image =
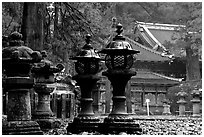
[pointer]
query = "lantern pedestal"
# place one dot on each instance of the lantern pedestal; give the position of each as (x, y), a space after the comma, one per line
(118, 120)
(19, 109)
(43, 73)
(196, 102)
(43, 114)
(166, 109)
(196, 107)
(182, 107)
(86, 121)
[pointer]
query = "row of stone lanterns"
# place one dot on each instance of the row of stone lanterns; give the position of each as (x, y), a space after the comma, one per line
(196, 94)
(118, 60)
(18, 62)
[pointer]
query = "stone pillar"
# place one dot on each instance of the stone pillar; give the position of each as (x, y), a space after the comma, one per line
(119, 120)
(196, 102)
(87, 84)
(43, 73)
(43, 114)
(181, 102)
(85, 121)
(119, 97)
(17, 61)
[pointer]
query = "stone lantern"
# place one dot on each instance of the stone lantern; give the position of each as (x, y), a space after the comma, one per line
(166, 106)
(119, 59)
(43, 72)
(182, 95)
(87, 66)
(196, 101)
(17, 61)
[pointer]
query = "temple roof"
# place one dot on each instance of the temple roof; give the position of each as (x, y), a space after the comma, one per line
(154, 35)
(148, 54)
(147, 77)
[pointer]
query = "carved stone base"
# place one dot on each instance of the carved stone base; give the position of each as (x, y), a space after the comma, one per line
(21, 128)
(118, 124)
(47, 124)
(83, 124)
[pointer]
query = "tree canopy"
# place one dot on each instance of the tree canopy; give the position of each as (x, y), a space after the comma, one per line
(60, 27)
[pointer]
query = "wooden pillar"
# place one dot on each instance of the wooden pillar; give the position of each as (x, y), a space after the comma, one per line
(143, 96)
(108, 96)
(156, 100)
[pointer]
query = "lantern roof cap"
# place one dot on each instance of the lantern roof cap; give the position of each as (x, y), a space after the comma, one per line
(87, 51)
(119, 44)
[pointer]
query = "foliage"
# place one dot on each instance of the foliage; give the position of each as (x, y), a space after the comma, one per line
(11, 16)
(190, 15)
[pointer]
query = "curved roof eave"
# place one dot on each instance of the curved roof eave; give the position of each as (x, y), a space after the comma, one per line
(152, 75)
(159, 56)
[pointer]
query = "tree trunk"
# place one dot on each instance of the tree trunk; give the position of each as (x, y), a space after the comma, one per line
(56, 20)
(192, 65)
(33, 25)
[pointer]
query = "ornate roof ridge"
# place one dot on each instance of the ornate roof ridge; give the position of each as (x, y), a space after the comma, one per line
(148, 49)
(159, 75)
(163, 26)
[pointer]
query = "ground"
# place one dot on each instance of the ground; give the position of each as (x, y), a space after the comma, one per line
(152, 125)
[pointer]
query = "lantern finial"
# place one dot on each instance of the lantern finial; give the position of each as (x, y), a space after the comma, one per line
(88, 46)
(119, 28)
(88, 39)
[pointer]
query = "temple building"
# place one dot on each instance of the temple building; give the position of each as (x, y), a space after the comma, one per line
(157, 70)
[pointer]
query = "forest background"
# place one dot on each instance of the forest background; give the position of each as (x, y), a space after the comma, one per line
(60, 27)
